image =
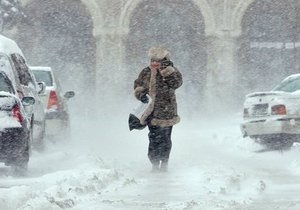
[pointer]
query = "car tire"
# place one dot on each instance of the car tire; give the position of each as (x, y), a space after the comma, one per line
(276, 142)
(20, 164)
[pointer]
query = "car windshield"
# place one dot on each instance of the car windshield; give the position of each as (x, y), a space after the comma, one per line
(289, 85)
(43, 76)
(4, 84)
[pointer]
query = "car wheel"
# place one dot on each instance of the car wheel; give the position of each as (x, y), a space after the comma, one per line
(20, 164)
(276, 142)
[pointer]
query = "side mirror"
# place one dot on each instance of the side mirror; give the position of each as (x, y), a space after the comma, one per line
(27, 101)
(69, 94)
(41, 88)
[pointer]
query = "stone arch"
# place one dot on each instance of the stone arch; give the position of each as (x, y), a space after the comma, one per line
(238, 14)
(93, 9)
(202, 5)
(95, 12)
(63, 39)
(127, 12)
(209, 20)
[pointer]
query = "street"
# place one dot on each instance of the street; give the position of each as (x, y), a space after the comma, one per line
(209, 169)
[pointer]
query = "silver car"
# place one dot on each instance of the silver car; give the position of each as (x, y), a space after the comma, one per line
(55, 102)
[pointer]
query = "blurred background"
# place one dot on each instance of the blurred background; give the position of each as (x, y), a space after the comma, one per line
(225, 49)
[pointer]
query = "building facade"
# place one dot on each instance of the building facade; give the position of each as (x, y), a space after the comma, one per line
(225, 48)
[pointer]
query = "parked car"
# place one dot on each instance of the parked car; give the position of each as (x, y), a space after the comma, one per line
(274, 116)
(15, 126)
(55, 102)
(15, 66)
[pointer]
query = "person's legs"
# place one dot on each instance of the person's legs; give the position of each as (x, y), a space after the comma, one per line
(153, 152)
(166, 145)
(160, 145)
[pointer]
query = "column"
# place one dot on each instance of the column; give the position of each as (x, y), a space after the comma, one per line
(220, 89)
(110, 73)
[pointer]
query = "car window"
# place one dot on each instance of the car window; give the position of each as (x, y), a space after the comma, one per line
(289, 85)
(5, 84)
(43, 76)
(22, 69)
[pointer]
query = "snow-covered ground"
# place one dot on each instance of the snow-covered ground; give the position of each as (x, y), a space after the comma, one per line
(104, 166)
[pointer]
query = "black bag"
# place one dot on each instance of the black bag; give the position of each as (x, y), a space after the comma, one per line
(134, 123)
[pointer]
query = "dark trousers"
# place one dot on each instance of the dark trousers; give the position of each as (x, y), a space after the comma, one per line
(160, 144)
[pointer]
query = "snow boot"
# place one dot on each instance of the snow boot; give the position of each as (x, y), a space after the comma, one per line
(164, 166)
(155, 168)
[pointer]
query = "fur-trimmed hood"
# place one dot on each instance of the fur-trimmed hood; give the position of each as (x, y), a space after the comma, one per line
(158, 53)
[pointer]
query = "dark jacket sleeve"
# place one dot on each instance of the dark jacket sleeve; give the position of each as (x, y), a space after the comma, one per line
(172, 77)
(139, 86)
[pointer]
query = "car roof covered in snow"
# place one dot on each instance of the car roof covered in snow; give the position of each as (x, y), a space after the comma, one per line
(40, 68)
(9, 46)
(292, 76)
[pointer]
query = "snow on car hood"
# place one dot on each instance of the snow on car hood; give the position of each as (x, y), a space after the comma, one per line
(266, 97)
(267, 93)
(8, 121)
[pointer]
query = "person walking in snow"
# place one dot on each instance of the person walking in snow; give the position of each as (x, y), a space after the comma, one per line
(159, 80)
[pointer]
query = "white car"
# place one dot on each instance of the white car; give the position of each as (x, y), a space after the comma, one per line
(14, 64)
(274, 115)
(15, 125)
(55, 102)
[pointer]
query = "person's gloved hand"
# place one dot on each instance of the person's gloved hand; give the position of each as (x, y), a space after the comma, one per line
(165, 63)
(144, 99)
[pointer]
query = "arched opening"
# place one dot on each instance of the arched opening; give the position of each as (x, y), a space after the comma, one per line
(60, 35)
(180, 27)
(270, 44)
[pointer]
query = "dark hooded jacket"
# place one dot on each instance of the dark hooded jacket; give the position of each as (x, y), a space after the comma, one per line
(161, 86)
